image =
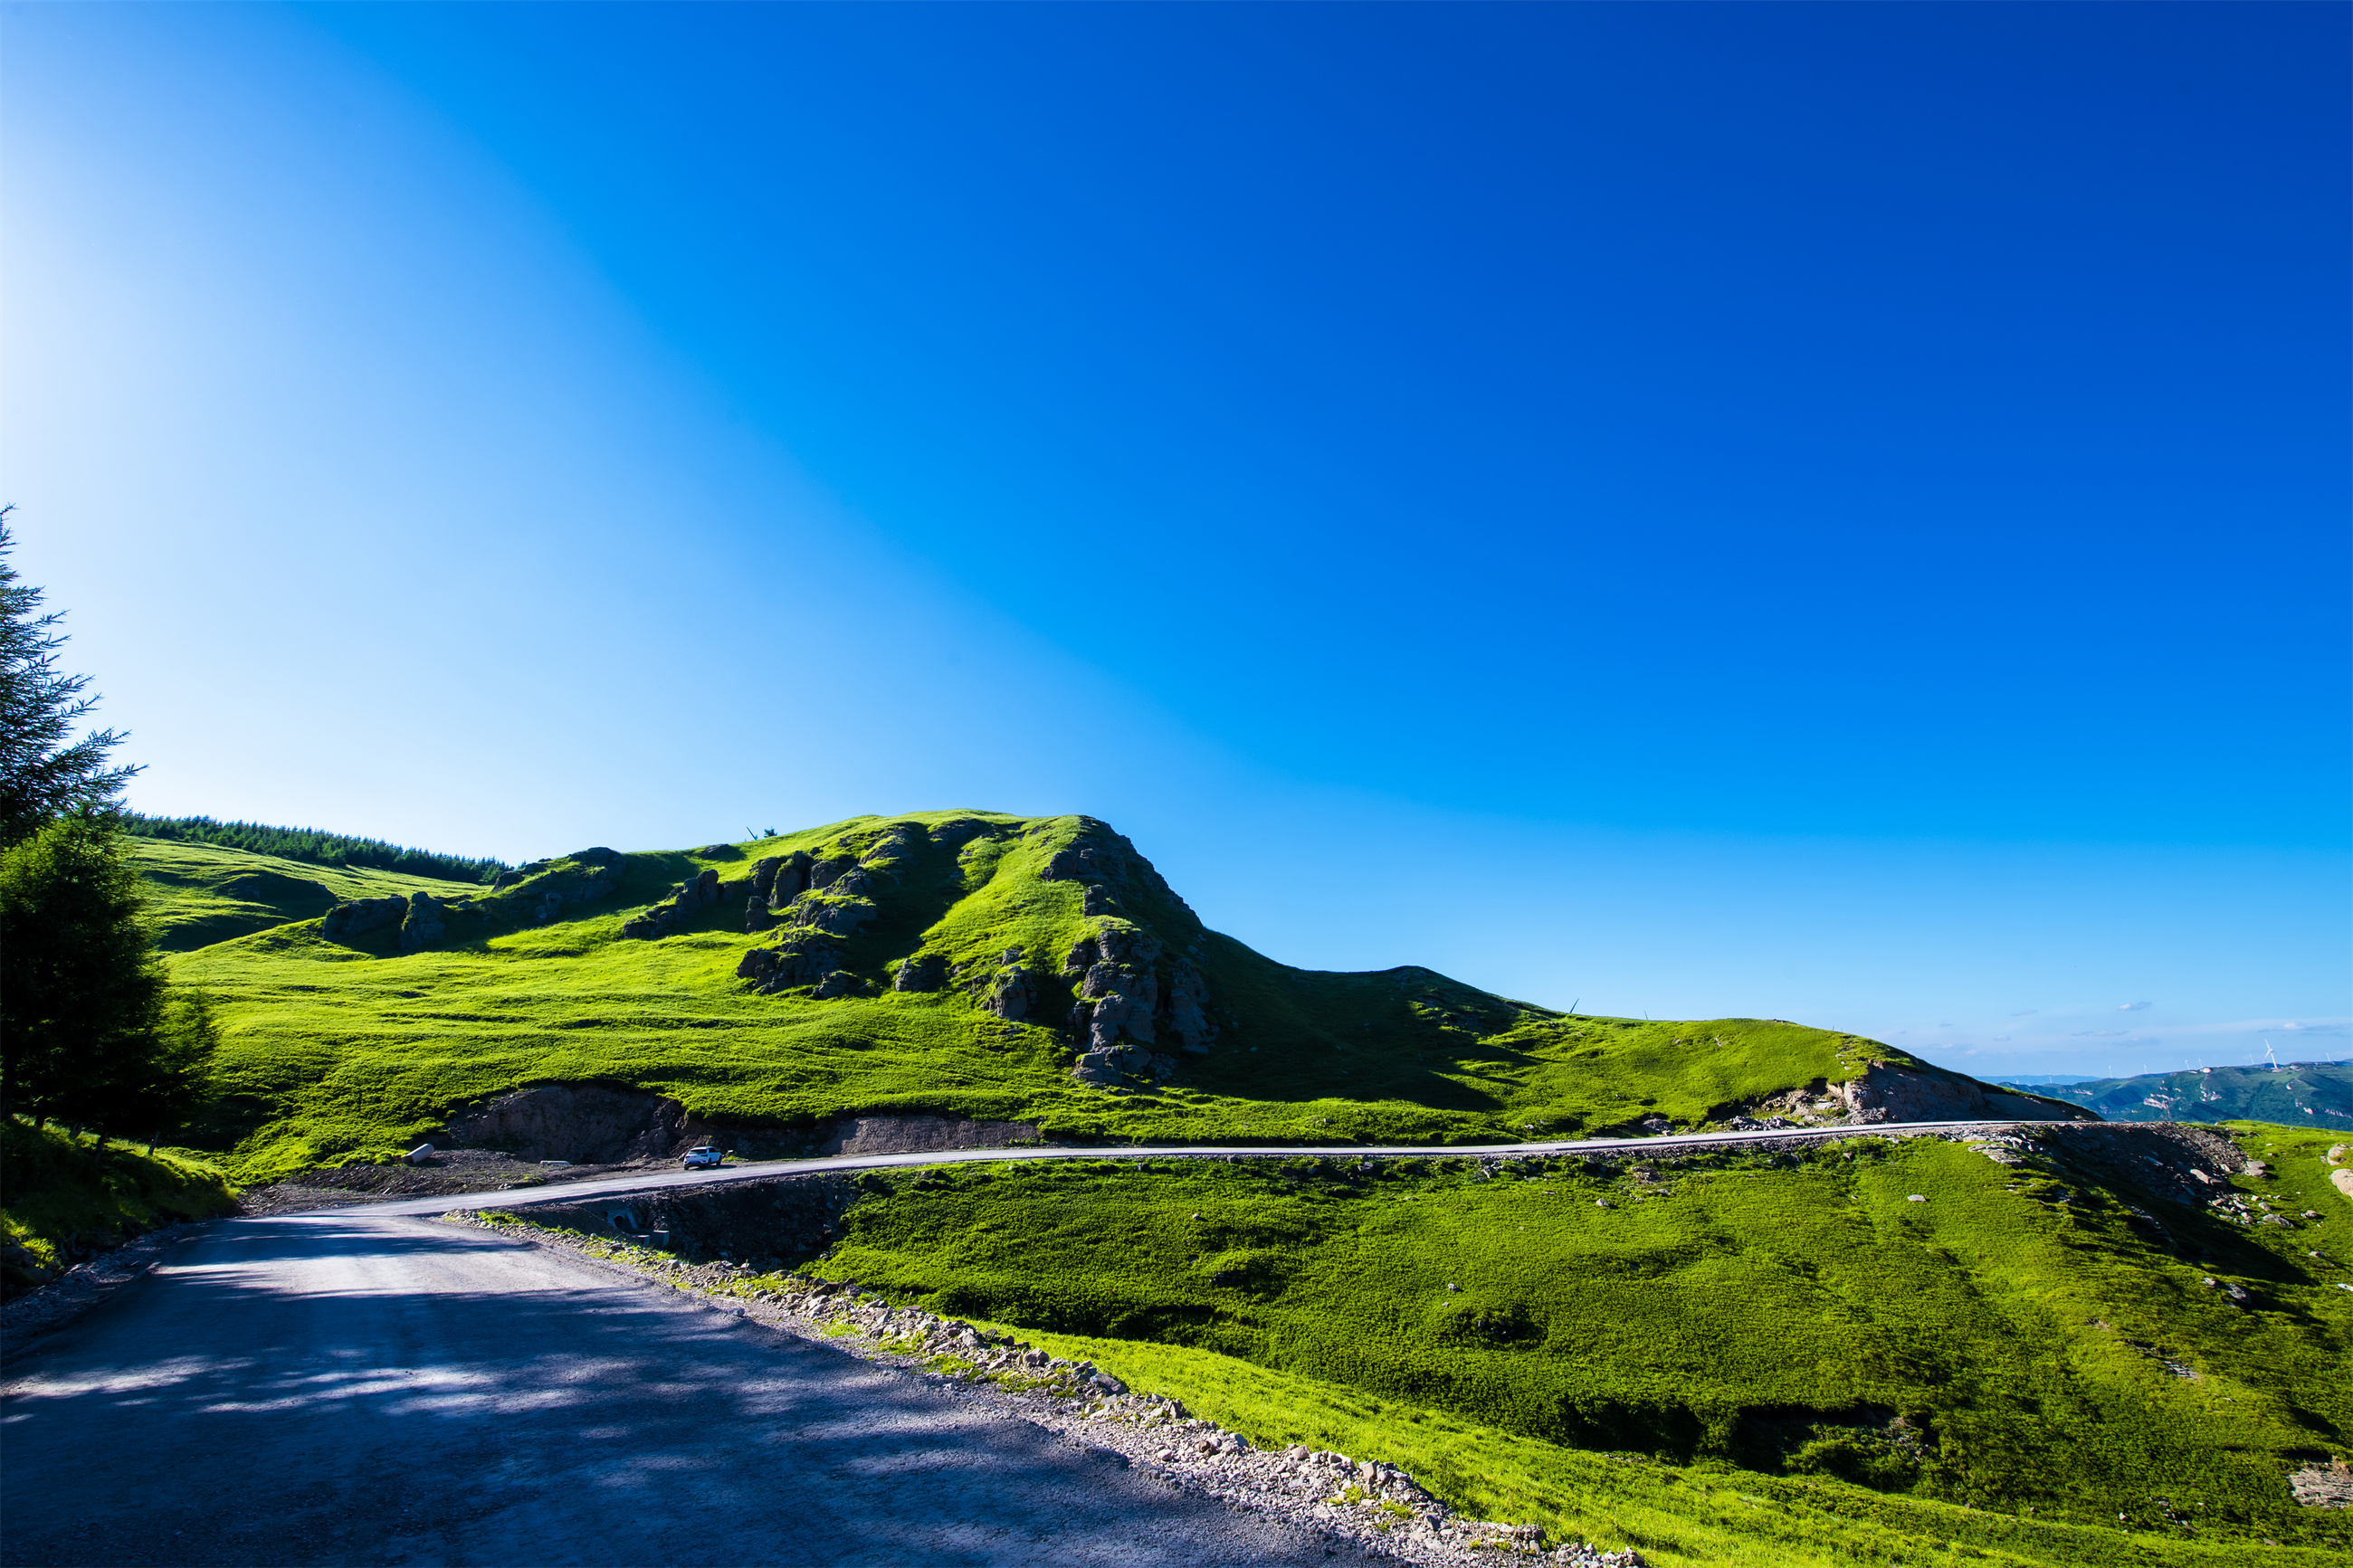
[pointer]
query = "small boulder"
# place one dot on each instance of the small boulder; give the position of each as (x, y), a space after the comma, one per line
(924, 972)
(360, 916)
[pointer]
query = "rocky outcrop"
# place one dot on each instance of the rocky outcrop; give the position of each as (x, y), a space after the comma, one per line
(1009, 989)
(685, 904)
(1114, 879)
(1121, 1064)
(1120, 994)
(423, 923)
(1118, 991)
(1918, 1092)
(924, 972)
(803, 958)
(359, 916)
(584, 1124)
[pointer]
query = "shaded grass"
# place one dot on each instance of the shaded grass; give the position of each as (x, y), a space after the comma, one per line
(1768, 1316)
(67, 1198)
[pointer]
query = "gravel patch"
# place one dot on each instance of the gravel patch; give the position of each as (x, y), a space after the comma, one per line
(82, 1287)
(1377, 1507)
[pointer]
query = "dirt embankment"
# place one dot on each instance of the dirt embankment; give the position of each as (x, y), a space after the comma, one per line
(603, 1124)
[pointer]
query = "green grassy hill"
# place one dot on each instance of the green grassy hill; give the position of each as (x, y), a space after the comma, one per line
(1909, 1337)
(963, 964)
(202, 893)
(2300, 1094)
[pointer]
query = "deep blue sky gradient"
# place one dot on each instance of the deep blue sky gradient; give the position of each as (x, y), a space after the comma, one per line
(1882, 419)
(1833, 512)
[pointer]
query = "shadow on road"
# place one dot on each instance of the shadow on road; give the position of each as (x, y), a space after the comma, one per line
(331, 1390)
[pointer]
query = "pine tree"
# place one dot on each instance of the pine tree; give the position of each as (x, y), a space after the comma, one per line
(82, 1004)
(43, 774)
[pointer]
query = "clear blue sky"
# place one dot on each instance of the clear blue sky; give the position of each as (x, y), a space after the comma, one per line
(1833, 512)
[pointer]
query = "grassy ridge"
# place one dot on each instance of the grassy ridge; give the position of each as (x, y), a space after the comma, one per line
(202, 893)
(338, 1050)
(1780, 1316)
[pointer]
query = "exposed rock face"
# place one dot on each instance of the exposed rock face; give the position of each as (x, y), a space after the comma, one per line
(788, 879)
(841, 983)
(424, 922)
(924, 972)
(360, 916)
(1010, 988)
(1119, 1063)
(1887, 1093)
(686, 901)
(1116, 880)
(922, 1134)
(1120, 993)
(585, 1124)
(2323, 1486)
(570, 881)
(803, 958)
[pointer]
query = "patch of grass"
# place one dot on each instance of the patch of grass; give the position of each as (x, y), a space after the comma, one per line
(204, 893)
(1984, 1350)
(67, 1199)
(342, 1051)
(1673, 1514)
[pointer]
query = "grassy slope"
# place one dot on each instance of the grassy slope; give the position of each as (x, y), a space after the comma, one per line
(203, 894)
(1754, 1308)
(2309, 1094)
(336, 1050)
(65, 1198)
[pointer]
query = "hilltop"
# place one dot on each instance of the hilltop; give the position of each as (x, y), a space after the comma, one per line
(1034, 973)
(2299, 1094)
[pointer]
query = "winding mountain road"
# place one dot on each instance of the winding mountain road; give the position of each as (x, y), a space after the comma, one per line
(362, 1385)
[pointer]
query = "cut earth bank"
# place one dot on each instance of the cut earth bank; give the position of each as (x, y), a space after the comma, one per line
(2076, 1344)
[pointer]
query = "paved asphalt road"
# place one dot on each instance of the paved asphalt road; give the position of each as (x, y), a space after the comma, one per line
(364, 1385)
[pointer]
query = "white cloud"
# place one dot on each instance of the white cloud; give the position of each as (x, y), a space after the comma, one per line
(2130, 1007)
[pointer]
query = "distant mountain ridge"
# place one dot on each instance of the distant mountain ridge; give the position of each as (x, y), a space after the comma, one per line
(2299, 1094)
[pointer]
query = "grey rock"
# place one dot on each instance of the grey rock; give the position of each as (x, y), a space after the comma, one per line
(924, 972)
(841, 983)
(790, 880)
(422, 923)
(803, 958)
(360, 916)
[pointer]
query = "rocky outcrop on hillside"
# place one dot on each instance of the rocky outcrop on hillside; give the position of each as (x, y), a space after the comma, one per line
(685, 903)
(802, 958)
(357, 917)
(425, 922)
(1120, 989)
(1113, 878)
(1914, 1092)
